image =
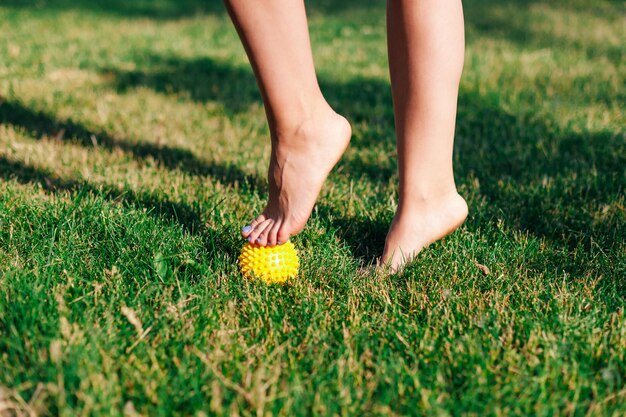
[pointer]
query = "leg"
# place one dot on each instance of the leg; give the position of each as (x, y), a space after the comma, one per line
(426, 48)
(308, 137)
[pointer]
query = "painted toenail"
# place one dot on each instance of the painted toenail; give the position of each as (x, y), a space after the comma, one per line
(246, 229)
(258, 239)
(279, 242)
(250, 239)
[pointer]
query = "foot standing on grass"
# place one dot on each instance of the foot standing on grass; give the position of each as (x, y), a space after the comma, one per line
(426, 48)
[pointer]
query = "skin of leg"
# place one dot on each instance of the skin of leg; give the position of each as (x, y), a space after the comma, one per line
(426, 51)
(308, 137)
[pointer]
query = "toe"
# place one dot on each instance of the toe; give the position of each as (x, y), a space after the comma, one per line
(248, 229)
(262, 239)
(273, 233)
(256, 232)
(245, 231)
(283, 234)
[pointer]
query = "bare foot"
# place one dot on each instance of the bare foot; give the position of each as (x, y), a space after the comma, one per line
(301, 160)
(426, 222)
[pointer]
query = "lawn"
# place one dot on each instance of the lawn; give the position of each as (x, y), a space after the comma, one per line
(133, 146)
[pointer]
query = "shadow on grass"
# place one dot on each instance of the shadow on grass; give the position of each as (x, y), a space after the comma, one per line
(200, 80)
(41, 125)
(156, 205)
(207, 79)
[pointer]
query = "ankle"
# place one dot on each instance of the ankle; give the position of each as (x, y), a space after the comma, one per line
(299, 122)
(424, 197)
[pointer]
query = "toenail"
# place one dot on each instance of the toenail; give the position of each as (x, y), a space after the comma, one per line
(250, 239)
(246, 229)
(279, 242)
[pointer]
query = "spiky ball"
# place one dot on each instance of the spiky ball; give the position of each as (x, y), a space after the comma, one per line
(272, 264)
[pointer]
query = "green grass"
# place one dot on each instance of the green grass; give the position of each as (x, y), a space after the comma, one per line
(133, 147)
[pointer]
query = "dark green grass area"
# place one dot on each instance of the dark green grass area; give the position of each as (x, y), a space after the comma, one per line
(134, 146)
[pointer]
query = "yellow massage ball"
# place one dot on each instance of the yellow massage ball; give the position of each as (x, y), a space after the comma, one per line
(272, 264)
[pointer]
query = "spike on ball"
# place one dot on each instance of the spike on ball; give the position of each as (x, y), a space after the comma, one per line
(272, 264)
